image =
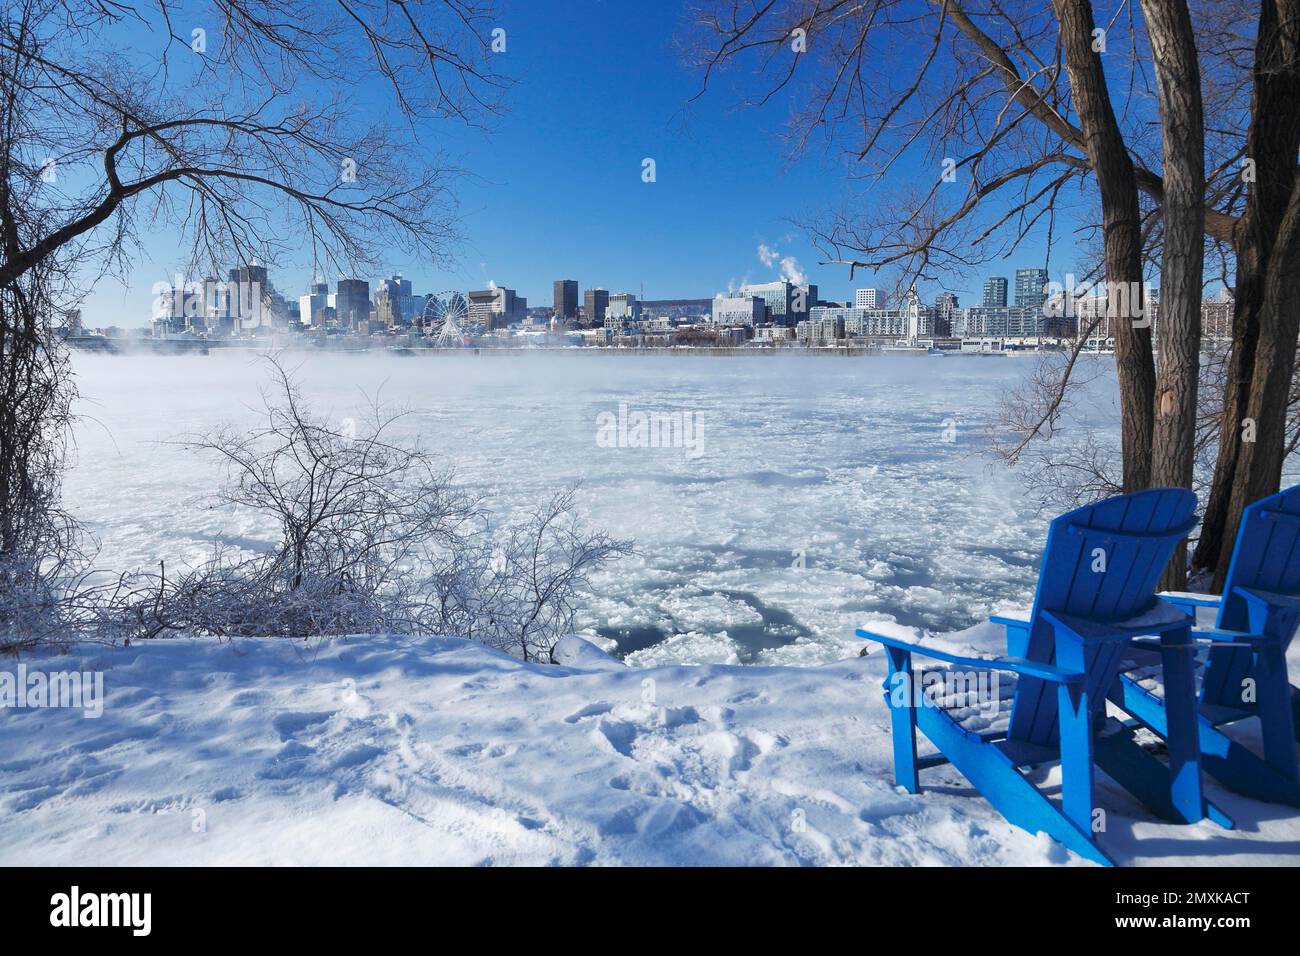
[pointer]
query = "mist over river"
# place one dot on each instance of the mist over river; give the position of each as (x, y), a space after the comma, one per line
(811, 495)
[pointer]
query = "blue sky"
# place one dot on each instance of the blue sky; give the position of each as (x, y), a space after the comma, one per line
(556, 188)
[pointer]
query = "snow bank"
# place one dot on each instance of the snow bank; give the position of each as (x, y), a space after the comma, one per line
(383, 751)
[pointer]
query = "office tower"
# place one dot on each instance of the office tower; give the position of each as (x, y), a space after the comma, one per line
(496, 308)
(313, 306)
(597, 304)
(566, 299)
(1031, 285)
(787, 303)
(248, 288)
(352, 303)
(995, 293)
(867, 299)
(398, 303)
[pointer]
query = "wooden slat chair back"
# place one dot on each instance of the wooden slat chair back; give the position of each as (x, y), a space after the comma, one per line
(1265, 561)
(1101, 564)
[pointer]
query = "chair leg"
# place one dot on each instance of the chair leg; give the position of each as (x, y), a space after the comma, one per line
(1176, 656)
(1076, 725)
(1076, 755)
(900, 696)
(1274, 706)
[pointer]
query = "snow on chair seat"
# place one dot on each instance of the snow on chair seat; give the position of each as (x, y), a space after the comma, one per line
(976, 700)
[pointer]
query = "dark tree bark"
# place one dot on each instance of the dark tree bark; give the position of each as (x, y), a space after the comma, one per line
(1178, 78)
(1272, 141)
(1121, 226)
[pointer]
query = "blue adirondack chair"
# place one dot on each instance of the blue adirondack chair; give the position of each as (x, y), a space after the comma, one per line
(1095, 594)
(1244, 673)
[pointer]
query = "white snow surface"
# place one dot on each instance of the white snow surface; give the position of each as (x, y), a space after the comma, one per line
(378, 750)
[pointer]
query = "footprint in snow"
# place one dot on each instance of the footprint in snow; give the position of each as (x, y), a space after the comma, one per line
(291, 723)
(594, 709)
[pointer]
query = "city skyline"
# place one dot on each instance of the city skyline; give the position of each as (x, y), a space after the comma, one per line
(540, 180)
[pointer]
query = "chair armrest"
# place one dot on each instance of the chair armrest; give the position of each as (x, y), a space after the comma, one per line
(1215, 637)
(1010, 620)
(1190, 599)
(1014, 665)
(1273, 598)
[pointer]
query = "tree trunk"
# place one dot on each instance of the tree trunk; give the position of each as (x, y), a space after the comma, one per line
(1178, 332)
(1122, 233)
(1272, 140)
(1259, 462)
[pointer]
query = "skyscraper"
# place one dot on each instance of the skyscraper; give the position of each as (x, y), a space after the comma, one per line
(248, 288)
(867, 299)
(995, 292)
(394, 301)
(496, 308)
(352, 303)
(313, 307)
(597, 304)
(1030, 288)
(566, 299)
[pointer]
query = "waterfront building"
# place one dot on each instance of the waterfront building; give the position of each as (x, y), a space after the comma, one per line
(787, 303)
(1031, 288)
(496, 308)
(738, 310)
(867, 299)
(995, 293)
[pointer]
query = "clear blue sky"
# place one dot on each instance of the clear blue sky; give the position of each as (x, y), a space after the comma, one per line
(556, 190)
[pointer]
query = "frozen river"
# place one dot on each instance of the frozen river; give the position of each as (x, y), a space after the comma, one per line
(817, 494)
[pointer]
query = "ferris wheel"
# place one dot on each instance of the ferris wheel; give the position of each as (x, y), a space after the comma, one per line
(445, 317)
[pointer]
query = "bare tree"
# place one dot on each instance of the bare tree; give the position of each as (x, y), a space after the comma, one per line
(240, 132)
(1021, 102)
(229, 123)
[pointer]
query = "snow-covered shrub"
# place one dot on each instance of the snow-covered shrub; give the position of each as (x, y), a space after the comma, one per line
(375, 538)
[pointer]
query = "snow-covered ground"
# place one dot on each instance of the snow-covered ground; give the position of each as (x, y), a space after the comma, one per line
(826, 492)
(374, 750)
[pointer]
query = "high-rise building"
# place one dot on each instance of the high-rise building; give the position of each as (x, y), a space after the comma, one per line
(623, 305)
(595, 307)
(394, 301)
(314, 306)
(248, 290)
(867, 299)
(566, 299)
(1031, 288)
(945, 311)
(995, 292)
(787, 303)
(352, 304)
(496, 308)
